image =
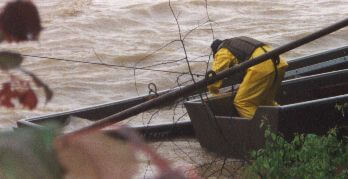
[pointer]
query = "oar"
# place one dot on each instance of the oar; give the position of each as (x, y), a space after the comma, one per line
(189, 89)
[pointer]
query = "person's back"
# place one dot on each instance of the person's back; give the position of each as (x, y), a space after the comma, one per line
(260, 82)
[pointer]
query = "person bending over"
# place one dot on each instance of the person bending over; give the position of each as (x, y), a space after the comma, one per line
(259, 84)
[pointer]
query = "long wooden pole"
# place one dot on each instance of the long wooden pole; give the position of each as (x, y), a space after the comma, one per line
(189, 89)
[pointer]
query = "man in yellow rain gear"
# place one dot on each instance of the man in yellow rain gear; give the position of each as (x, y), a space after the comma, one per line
(260, 83)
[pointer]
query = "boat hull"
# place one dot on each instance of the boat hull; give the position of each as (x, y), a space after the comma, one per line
(311, 108)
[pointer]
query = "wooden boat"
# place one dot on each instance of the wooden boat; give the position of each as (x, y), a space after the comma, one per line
(309, 70)
(308, 105)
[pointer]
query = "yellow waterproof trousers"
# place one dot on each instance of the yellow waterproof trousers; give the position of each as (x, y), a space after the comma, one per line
(254, 92)
(258, 86)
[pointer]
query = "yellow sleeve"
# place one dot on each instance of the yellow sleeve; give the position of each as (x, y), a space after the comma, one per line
(223, 59)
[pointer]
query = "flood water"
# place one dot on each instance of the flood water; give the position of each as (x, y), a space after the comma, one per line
(138, 34)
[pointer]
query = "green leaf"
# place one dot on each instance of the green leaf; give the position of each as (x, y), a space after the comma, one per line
(306, 156)
(10, 60)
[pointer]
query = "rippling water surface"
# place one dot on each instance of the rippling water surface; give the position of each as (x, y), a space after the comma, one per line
(130, 33)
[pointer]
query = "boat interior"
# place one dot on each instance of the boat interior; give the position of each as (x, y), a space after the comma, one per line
(311, 101)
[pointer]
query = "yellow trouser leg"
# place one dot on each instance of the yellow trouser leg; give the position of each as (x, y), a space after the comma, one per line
(255, 90)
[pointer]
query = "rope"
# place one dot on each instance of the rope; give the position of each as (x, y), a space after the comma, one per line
(152, 88)
(110, 65)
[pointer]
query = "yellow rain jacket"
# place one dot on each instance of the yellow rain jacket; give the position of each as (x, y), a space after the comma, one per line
(257, 87)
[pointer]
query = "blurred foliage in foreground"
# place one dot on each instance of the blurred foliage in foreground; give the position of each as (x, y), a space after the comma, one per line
(306, 156)
(45, 153)
(28, 153)
(19, 22)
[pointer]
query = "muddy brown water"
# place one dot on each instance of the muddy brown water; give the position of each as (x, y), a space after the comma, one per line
(128, 34)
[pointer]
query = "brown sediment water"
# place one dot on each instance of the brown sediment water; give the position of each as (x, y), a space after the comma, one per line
(128, 34)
